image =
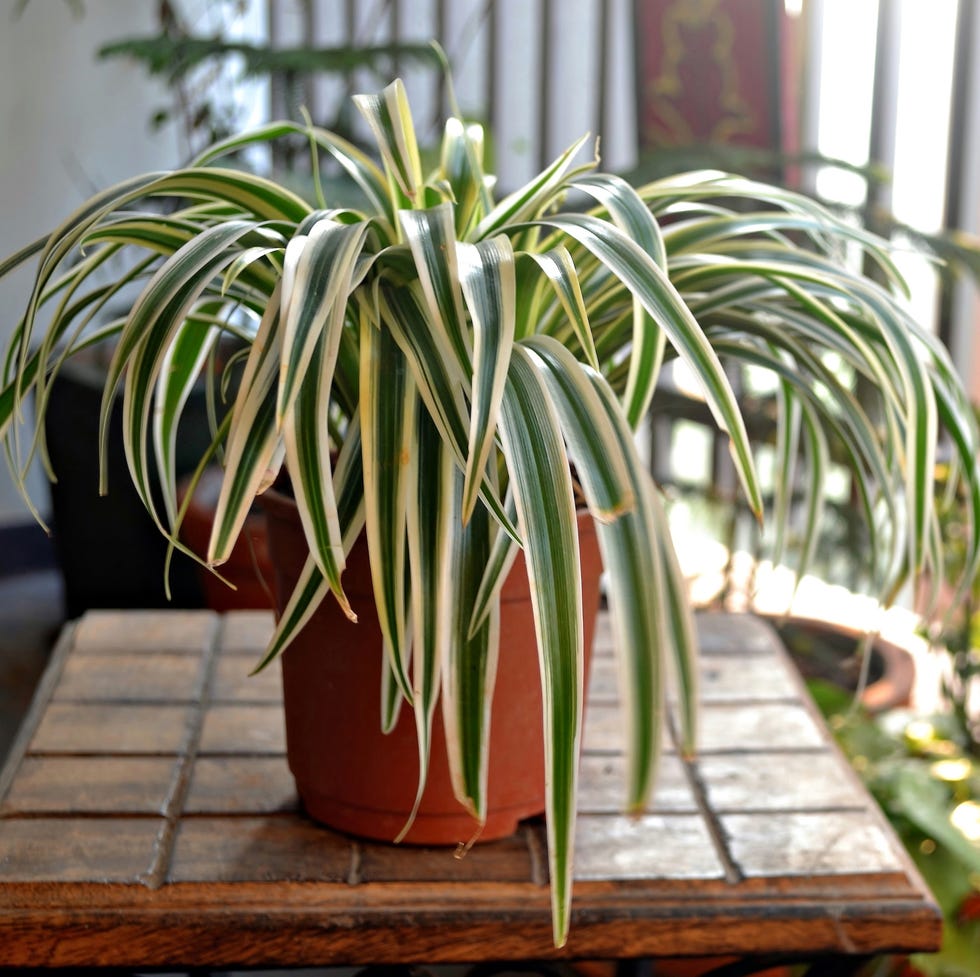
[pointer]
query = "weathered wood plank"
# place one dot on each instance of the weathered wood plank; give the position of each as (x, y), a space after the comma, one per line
(778, 781)
(56, 850)
(145, 632)
(96, 727)
(233, 683)
(649, 846)
(737, 678)
(506, 860)
(246, 633)
(259, 849)
(90, 785)
(257, 728)
(758, 726)
(602, 786)
(809, 843)
(241, 785)
(271, 935)
(168, 677)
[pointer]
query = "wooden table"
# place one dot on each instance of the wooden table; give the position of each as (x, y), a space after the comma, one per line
(148, 819)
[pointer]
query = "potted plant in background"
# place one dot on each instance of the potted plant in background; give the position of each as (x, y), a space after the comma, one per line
(448, 377)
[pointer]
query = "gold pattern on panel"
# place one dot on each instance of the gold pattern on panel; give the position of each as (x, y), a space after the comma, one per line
(669, 124)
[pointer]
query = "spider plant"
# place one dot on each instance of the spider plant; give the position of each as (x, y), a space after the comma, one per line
(449, 372)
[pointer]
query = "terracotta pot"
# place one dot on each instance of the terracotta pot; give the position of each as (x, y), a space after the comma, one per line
(248, 568)
(348, 773)
(827, 650)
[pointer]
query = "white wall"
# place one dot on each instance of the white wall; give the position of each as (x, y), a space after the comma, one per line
(69, 125)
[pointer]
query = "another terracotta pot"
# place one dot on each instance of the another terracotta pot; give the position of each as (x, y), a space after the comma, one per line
(830, 651)
(348, 773)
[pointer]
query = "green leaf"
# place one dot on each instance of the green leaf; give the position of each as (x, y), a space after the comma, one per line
(488, 283)
(387, 415)
(314, 302)
(431, 236)
(542, 487)
(181, 370)
(390, 120)
(254, 444)
(645, 280)
(470, 664)
(430, 525)
(635, 544)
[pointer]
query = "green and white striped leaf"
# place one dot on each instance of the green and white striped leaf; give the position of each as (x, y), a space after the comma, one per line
(631, 215)
(358, 166)
(183, 362)
(387, 414)
(503, 551)
(644, 279)
(430, 524)
(404, 315)
(488, 282)
(307, 442)
(253, 440)
(619, 492)
(156, 317)
(533, 198)
(789, 418)
(682, 641)
(310, 591)
(461, 163)
(471, 655)
(559, 267)
(431, 235)
(542, 488)
(390, 120)
(314, 301)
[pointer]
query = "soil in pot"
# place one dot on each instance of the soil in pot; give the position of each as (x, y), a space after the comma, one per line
(348, 773)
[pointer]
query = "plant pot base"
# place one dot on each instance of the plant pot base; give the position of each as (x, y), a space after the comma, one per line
(427, 829)
(353, 777)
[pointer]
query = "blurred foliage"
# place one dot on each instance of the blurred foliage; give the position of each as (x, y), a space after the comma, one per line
(201, 70)
(928, 785)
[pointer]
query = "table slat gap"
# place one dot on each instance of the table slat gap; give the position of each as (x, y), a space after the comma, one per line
(538, 851)
(354, 873)
(180, 784)
(716, 832)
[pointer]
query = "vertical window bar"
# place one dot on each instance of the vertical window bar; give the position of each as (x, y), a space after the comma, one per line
(493, 45)
(774, 45)
(310, 36)
(439, 101)
(884, 108)
(544, 84)
(395, 24)
(602, 86)
(960, 110)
